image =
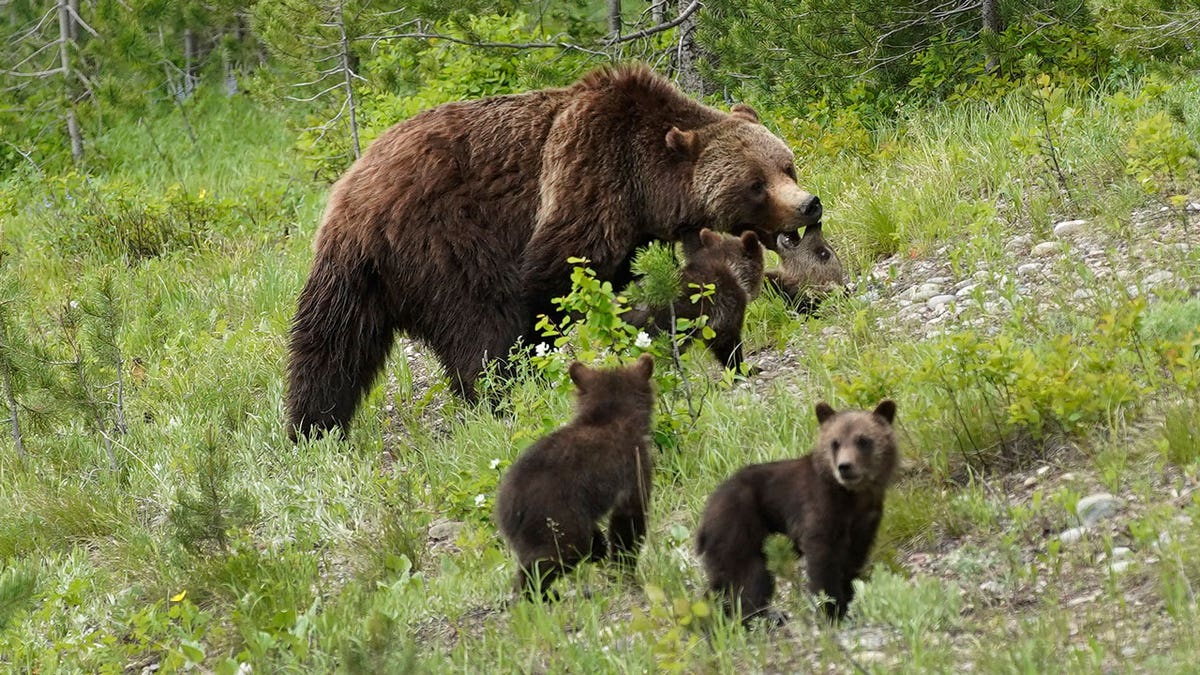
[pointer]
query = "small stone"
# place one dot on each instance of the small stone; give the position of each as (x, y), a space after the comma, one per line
(993, 588)
(1160, 277)
(444, 530)
(923, 292)
(938, 301)
(1029, 269)
(1121, 552)
(1194, 206)
(1068, 228)
(1083, 294)
(1072, 535)
(1020, 242)
(871, 656)
(1120, 566)
(1046, 248)
(966, 290)
(1096, 507)
(941, 281)
(1030, 482)
(1043, 470)
(1128, 651)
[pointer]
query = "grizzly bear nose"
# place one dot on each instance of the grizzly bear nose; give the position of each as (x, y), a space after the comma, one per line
(846, 469)
(810, 210)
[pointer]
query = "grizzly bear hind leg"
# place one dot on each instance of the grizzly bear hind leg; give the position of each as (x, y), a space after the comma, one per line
(341, 335)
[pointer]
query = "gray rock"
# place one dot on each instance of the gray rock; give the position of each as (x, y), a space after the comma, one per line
(1029, 269)
(1159, 277)
(1044, 249)
(1096, 507)
(923, 292)
(444, 530)
(1121, 552)
(966, 290)
(1069, 228)
(993, 588)
(1120, 566)
(937, 301)
(1072, 535)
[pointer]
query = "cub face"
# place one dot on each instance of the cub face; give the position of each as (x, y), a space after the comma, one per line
(857, 448)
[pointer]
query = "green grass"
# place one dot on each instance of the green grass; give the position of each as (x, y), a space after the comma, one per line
(218, 542)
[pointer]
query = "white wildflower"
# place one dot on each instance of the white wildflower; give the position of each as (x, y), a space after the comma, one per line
(495, 463)
(541, 349)
(480, 500)
(642, 341)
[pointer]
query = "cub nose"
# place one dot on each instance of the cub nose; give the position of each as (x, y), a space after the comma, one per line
(846, 470)
(810, 210)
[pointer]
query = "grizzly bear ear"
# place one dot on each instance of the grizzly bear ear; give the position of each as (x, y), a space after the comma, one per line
(683, 142)
(824, 412)
(580, 375)
(644, 366)
(886, 409)
(709, 238)
(750, 241)
(745, 112)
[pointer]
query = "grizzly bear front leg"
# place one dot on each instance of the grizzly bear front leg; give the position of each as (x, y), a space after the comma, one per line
(825, 566)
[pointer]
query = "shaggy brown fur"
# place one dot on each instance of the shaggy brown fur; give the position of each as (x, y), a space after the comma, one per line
(455, 226)
(809, 271)
(734, 266)
(552, 498)
(829, 503)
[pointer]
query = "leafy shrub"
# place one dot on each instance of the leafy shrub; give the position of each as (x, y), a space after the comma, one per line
(83, 216)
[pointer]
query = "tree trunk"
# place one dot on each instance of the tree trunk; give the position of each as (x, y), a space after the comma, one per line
(12, 410)
(992, 27)
(348, 74)
(688, 56)
(614, 18)
(66, 28)
(658, 12)
(189, 64)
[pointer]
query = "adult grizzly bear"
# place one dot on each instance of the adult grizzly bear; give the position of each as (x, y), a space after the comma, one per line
(455, 226)
(829, 503)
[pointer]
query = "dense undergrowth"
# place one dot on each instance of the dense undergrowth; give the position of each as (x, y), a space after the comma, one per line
(155, 513)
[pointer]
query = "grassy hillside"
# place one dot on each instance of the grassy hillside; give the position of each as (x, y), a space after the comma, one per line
(160, 286)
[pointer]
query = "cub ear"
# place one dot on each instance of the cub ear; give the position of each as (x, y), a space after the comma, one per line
(745, 112)
(886, 409)
(750, 241)
(644, 366)
(683, 142)
(709, 238)
(824, 412)
(580, 375)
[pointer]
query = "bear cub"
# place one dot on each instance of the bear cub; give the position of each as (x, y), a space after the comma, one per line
(829, 503)
(734, 267)
(552, 498)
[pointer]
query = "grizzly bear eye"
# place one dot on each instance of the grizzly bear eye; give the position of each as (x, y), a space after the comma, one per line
(823, 254)
(790, 171)
(757, 187)
(835, 444)
(864, 443)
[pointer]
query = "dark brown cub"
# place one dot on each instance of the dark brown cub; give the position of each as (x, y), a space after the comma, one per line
(552, 499)
(734, 267)
(829, 503)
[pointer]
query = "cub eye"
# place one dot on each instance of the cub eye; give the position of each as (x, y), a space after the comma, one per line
(823, 254)
(864, 443)
(836, 444)
(790, 171)
(757, 187)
